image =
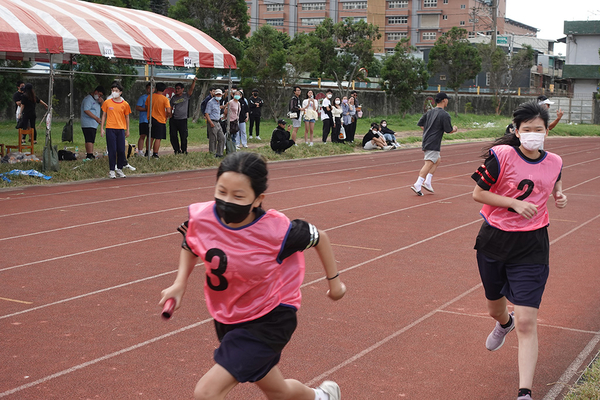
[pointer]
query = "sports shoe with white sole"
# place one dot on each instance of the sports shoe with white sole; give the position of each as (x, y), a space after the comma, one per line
(119, 173)
(130, 167)
(495, 340)
(111, 175)
(258, 138)
(332, 389)
(388, 147)
(526, 397)
(427, 187)
(418, 192)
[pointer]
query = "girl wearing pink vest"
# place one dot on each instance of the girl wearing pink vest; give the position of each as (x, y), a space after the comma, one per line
(514, 185)
(254, 268)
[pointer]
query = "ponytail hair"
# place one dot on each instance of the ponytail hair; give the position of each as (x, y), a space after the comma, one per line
(525, 112)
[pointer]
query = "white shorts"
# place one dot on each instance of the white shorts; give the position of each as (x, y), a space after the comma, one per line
(370, 146)
(432, 155)
(296, 123)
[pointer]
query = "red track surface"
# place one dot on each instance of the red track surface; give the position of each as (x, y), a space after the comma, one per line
(82, 267)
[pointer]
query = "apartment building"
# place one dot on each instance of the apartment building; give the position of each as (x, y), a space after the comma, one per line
(424, 21)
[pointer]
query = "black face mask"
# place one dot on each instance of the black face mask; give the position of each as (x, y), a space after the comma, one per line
(232, 213)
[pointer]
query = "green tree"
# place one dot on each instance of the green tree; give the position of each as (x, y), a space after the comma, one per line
(404, 76)
(263, 66)
(454, 56)
(136, 4)
(502, 69)
(344, 47)
(8, 84)
(226, 21)
(95, 68)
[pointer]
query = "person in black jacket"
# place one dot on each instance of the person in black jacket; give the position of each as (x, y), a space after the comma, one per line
(280, 139)
(255, 105)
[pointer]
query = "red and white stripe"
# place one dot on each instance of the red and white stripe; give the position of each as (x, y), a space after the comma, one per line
(31, 29)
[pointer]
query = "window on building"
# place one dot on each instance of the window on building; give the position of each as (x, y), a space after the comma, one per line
(274, 7)
(396, 36)
(311, 21)
(462, 6)
(429, 3)
(354, 5)
(442, 77)
(445, 17)
(428, 36)
(275, 21)
(462, 23)
(398, 20)
(313, 6)
(389, 52)
(397, 4)
(445, 1)
(430, 21)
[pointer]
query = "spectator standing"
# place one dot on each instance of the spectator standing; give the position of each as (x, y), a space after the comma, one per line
(434, 123)
(17, 96)
(179, 122)
(116, 117)
(203, 106)
(144, 129)
(255, 104)
(28, 103)
(309, 107)
(234, 110)
(216, 138)
(351, 127)
(161, 111)
(326, 116)
(242, 140)
(336, 113)
(354, 95)
(90, 118)
(280, 139)
(294, 108)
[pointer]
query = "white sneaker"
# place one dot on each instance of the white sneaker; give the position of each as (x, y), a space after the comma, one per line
(258, 138)
(388, 147)
(129, 167)
(397, 145)
(311, 144)
(111, 175)
(245, 146)
(119, 173)
(332, 389)
(427, 187)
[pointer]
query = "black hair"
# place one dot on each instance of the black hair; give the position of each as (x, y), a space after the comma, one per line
(310, 90)
(374, 125)
(179, 85)
(253, 165)
(148, 84)
(117, 85)
(29, 92)
(523, 113)
(509, 129)
(19, 83)
(329, 91)
(296, 87)
(100, 89)
(382, 121)
(160, 87)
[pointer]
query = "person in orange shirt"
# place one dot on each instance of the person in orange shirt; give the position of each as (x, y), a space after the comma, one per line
(116, 117)
(161, 111)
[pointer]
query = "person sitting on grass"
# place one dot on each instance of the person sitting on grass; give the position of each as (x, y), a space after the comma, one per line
(374, 140)
(388, 134)
(280, 138)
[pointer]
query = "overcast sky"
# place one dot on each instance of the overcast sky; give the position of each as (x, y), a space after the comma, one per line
(549, 15)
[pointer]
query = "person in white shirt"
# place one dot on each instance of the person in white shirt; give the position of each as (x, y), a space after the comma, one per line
(326, 116)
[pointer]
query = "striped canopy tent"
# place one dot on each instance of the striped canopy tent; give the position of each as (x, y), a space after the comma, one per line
(55, 30)
(33, 29)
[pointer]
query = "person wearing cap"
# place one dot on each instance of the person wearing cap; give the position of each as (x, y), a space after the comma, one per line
(178, 123)
(216, 138)
(434, 123)
(255, 105)
(543, 100)
(280, 139)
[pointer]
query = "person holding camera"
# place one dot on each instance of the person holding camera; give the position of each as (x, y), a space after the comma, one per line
(280, 139)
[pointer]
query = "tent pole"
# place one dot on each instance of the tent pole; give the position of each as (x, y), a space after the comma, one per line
(71, 77)
(50, 95)
(149, 113)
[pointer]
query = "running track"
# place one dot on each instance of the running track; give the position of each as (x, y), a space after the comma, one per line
(82, 266)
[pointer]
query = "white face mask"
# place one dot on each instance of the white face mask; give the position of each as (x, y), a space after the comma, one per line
(328, 96)
(337, 102)
(384, 124)
(532, 140)
(115, 95)
(96, 97)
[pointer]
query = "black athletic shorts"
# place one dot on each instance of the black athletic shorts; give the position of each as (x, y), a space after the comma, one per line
(89, 134)
(159, 131)
(144, 128)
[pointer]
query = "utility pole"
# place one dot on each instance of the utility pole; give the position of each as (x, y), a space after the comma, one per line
(494, 22)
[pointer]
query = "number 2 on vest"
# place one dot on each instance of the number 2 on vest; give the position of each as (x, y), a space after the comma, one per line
(522, 184)
(219, 271)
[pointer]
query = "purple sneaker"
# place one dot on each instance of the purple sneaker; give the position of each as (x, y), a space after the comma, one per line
(495, 340)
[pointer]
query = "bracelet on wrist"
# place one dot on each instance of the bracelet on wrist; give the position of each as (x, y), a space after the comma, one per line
(333, 277)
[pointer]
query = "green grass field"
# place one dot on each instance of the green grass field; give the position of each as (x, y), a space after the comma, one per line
(470, 127)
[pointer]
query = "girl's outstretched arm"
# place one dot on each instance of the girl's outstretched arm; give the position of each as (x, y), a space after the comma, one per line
(187, 261)
(336, 288)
